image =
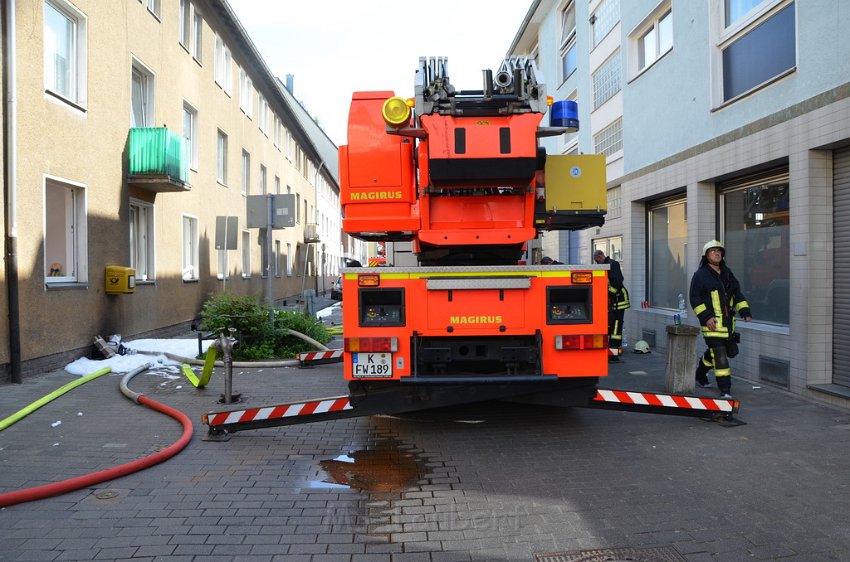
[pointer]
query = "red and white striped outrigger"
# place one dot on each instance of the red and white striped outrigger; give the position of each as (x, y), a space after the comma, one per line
(320, 357)
(395, 400)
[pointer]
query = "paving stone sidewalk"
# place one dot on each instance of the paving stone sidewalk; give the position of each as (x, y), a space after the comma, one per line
(491, 482)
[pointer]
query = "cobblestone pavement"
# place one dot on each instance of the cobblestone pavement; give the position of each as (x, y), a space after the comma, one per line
(492, 481)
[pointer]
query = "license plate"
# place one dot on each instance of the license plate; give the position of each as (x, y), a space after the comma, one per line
(372, 364)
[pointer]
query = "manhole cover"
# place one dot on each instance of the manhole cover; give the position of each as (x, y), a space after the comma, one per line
(106, 494)
(646, 554)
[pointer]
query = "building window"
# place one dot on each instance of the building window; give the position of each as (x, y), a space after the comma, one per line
(288, 145)
(277, 271)
(142, 240)
(759, 52)
(185, 23)
(154, 7)
(615, 203)
(568, 51)
(221, 158)
(263, 108)
(246, 93)
(603, 20)
(223, 66)
(611, 246)
(277, 185)
(65, 232)
(197, 36)
(734, 10)
(190, 134)
(655, 40)
(609, 140)
(246, 172)
(756, 232)
(288, 259)
(246, 254)
(141, 97)
(297, 207)
(221, 265)
(277, 132)
(667, 252)
(263, 174)
(65, 51)
(191, 266)
(607, 80)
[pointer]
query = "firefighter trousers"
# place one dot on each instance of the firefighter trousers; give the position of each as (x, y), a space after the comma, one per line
(717, 357)
(615, 327)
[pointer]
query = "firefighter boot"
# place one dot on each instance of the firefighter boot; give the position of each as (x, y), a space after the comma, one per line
(702, 374)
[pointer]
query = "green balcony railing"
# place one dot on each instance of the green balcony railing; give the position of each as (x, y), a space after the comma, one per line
(156, 152)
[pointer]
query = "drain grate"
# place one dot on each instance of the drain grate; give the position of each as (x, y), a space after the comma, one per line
(648, 554)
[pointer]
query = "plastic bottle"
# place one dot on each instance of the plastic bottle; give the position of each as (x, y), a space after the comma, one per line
(678, 317)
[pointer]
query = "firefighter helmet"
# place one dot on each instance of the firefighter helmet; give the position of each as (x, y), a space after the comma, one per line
(641, 347)
(713, 244)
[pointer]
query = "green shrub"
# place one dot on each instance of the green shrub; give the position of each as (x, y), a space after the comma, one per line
(259, 337)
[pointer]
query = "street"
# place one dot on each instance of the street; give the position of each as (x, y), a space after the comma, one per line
(492, 481)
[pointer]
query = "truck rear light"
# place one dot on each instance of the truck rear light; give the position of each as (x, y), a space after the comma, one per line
(368, 280)
(373, 344)
(586, 341)
(581, 277)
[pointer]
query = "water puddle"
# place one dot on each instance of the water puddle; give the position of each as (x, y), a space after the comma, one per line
(384, 468)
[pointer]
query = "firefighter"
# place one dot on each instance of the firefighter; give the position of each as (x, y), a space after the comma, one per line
(618, 301)
(715, 297)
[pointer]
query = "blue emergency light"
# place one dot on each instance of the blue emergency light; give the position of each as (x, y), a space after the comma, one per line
(564, 113)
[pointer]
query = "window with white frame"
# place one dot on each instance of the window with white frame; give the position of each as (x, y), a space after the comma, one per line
(141, 96)
(184, 24)
(263, 174)
(612, 246)
(654, 38)
(190, 134)
(246, 93)
(221, 158)
(197, 35)
(288, 259)
(142, 240)
(191, 255)
(65, 51)
(759, 48)
(264, 257)
(603, 20)
(607, 80)
(263, 109)
(223, 66)
(667, 253)
(154, 7)
(277, 185)
(734, 10)
(755, 226)
(277, 132)
(246, 254)
(298, 207)
(277, 271)
(609, 140)
(288, 145)
(568, 50)
(221, 265)
(65, 232)
(246, 172)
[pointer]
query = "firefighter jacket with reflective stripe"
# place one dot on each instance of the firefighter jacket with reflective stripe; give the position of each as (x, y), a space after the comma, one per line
(717, 295)
(618, 296)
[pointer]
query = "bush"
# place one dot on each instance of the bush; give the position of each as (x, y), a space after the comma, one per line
(260, 338)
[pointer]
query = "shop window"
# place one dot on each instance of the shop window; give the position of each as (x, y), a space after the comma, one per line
(756, 233)
(667, 253)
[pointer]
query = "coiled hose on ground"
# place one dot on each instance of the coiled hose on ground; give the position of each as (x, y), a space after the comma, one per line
(56, 488)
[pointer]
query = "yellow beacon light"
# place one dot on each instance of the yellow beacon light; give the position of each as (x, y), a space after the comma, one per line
(396, 112)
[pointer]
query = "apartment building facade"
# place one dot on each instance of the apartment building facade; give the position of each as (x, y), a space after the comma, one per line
(135, 128)
(721, 119)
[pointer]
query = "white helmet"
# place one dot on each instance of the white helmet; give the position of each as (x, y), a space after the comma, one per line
(641, 347)
(714, 244)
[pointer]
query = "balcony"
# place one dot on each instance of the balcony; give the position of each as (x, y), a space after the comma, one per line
(158, 160)
(311, 233)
